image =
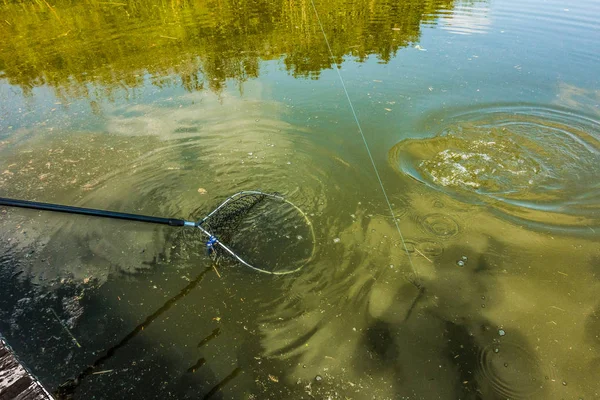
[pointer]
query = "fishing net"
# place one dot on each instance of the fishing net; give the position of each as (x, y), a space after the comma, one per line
(263, 231)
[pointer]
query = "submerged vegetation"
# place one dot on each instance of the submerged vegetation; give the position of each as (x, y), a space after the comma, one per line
(197, 43)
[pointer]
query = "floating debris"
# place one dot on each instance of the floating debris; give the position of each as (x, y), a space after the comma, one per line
(107, 371)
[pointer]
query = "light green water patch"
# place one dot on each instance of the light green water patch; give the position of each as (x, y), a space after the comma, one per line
(534, 164)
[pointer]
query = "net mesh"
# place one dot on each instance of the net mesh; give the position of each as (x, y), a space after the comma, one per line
(264, 231)
(226, 219)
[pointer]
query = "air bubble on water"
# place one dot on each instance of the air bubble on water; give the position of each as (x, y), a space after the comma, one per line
(501, 332)
(337, 240)
(460, 263)
(289, 163)
(299, 237)
(496, 350)
(464, 258)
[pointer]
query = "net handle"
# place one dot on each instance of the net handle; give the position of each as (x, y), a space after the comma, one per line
(36, 205)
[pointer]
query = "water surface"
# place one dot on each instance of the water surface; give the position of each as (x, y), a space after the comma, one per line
(482, 118)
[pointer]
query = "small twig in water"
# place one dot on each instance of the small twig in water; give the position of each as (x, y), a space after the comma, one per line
(562, 273)
(424, 256)
(217, 271)
(52, 9)
(106, 371)
(168, 37)
(65, 328)
(558, 308)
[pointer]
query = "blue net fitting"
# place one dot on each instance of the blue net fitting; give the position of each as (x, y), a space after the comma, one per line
(210, 244)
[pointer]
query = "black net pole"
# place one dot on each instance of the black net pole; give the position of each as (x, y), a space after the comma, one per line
(90, 211)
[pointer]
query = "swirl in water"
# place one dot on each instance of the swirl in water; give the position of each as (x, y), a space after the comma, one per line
(533, 164)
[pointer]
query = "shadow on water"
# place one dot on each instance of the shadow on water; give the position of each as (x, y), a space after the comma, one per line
(54, 318)
(67, 390)
(447, 339)
(446, 347)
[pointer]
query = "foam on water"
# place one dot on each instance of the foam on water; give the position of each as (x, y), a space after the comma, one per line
(534, 164)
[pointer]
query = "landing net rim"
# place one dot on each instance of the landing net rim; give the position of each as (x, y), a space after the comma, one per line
(243, 193)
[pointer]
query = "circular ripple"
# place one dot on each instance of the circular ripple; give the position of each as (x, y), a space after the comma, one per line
(511, 371)
(440, 225)
(534, 165)
(410, 245)
(400, 205)
(217, 150)
(431, 248)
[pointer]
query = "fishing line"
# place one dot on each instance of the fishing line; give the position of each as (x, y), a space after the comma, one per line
(360, 130)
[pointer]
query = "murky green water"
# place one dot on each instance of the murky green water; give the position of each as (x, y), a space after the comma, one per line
(483, 121)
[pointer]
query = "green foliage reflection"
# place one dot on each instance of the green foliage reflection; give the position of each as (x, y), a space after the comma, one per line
(70, 44)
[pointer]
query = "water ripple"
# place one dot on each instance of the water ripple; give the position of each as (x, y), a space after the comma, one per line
(167, 161)
(510, 370)
(532, 164)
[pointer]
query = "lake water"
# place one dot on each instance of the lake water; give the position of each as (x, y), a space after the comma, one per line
(479, 279)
